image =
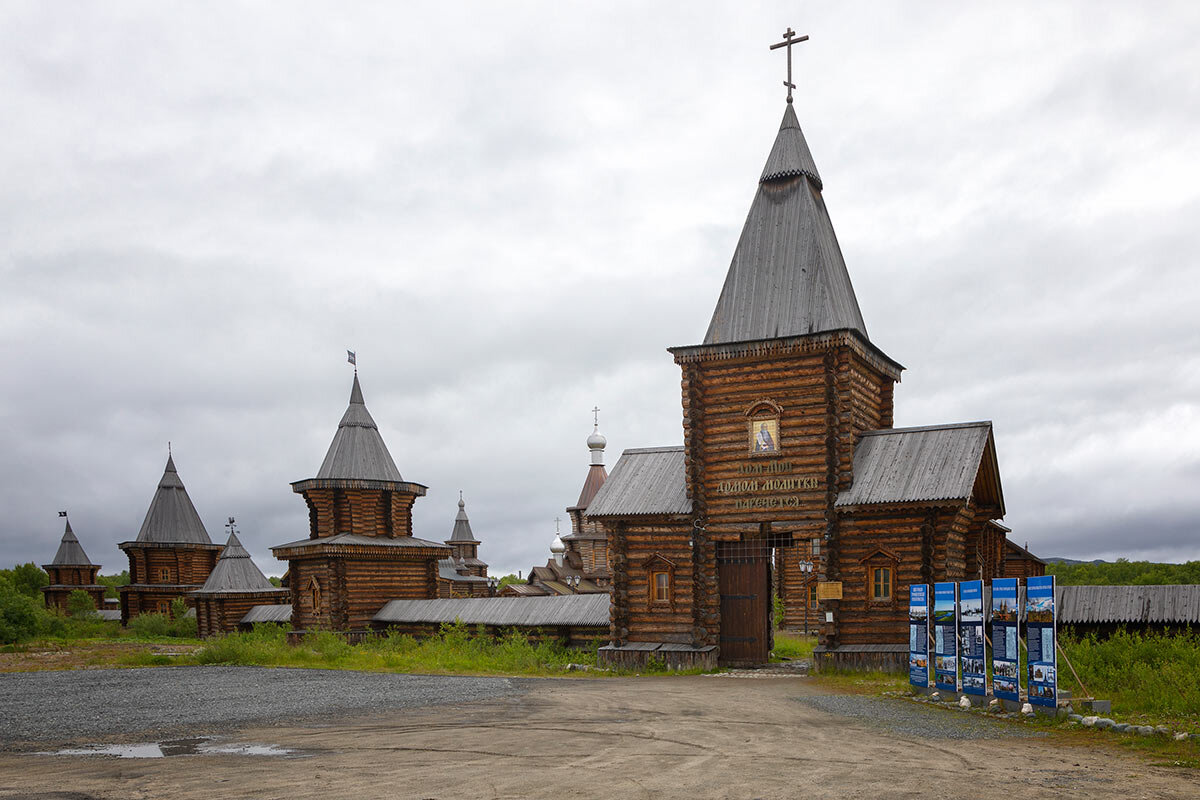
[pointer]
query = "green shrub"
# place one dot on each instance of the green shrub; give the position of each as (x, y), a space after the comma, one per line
(156, 625)
(21, 617)
(27, 579)
(1140, 672)
(80, 604)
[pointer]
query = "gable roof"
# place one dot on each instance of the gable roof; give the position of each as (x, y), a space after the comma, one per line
(644, 481)
(357, 451)
(70, 552)
(787, 277)
(940, 462)
(236, 572)
(171, 518)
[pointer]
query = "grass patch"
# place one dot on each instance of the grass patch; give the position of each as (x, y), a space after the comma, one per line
(1151, 678)
(793, 645)
(852, 682)
(455, 650)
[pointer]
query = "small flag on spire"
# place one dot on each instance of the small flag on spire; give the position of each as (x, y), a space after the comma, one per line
(351, 357)
(62, 513)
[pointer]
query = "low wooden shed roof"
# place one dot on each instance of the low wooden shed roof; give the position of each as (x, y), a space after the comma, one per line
(576, 610)
(268, 613)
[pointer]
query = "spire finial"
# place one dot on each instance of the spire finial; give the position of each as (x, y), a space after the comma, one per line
(461, 503)
(352, 358)
(789, 39)
(596, 417)
(556, 521)
(231, 526)
(168, 448)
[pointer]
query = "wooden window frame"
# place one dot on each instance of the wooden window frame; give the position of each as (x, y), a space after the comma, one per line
(164, 575)
(879, 574)
(813, 602)
(655, 565)
(654, 598)
(880, 559)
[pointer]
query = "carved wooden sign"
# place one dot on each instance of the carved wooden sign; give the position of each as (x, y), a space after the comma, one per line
(829, 590)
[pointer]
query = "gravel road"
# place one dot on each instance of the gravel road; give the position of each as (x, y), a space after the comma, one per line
(83, 704)
(906, 718)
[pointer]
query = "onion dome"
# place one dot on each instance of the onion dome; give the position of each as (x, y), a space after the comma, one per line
(557, 545)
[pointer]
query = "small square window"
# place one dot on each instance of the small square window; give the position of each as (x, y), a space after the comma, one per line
(164, 575)
(164, 607)
(881, 584)
(660, 583)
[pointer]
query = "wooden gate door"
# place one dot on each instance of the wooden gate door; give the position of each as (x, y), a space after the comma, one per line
(745, 586)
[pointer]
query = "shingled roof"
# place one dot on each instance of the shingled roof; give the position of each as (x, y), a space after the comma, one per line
(935, 463)
(357, 451)
(788, 277)
(236, 572)
(171, 518)
(70, 552)
(646, 481)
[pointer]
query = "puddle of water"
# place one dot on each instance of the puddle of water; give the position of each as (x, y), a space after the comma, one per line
(178, 747)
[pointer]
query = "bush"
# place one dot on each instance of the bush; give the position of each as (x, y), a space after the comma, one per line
(80, 604)
(1139, 672)
(21, 617)
(27, 579)
(179, 625)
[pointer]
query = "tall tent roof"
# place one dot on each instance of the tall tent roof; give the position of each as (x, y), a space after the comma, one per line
(462, 526)
(70, 552)
(787, 277)
(236, 571)
(171, 518)
(357, 451)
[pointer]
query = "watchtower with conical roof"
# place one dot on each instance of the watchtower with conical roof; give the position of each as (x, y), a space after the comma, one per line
(69, 570)
(172, 555)
(360, 552)
(235, 585)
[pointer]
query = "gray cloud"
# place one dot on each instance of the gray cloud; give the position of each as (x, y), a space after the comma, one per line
(511, 213)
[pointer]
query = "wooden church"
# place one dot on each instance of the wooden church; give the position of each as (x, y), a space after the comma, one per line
(789, 455)
(172, 555)
(360, 552)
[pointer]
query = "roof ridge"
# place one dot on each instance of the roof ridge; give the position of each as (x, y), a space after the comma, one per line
(663, 449)
(983, 423)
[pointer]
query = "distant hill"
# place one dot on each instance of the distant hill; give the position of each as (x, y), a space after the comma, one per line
(1057, 560)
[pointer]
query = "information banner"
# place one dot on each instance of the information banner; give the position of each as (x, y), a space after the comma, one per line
(945, 635)
(970, 638)
(918, 634)
(1006, 680)
(1040, 632)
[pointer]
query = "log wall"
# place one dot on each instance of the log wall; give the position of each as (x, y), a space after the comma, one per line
(638, 549)
(352, 590)
(221, 613)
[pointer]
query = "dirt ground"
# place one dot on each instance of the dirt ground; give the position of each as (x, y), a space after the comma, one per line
(690, 737)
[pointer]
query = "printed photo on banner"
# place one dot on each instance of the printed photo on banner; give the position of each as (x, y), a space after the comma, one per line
(1004, 669)
(973, 682)
(1007, 685)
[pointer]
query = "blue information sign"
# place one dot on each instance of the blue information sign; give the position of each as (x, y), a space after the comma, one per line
(945, 635)
(970, 638)
(1040, 631)
(918, 634)
(1006, 680)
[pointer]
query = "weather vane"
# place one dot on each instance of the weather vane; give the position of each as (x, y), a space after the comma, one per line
(352, 357)
(789, 39)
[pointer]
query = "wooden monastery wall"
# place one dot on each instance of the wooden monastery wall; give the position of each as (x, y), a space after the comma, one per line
(636, 550)
(912, 542)
(306, 616)
(353, 590)
(795, 587)
(221, 614)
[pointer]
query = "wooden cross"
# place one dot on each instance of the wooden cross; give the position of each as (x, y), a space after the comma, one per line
(789, 39)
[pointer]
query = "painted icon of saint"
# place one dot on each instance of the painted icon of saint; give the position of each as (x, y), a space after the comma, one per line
(763, 441)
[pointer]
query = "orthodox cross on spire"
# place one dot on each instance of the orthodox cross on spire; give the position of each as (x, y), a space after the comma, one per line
(789, 39)
(556, 521)
(596, 417)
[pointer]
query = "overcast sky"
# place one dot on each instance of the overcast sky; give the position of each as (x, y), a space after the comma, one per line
(511, 210)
